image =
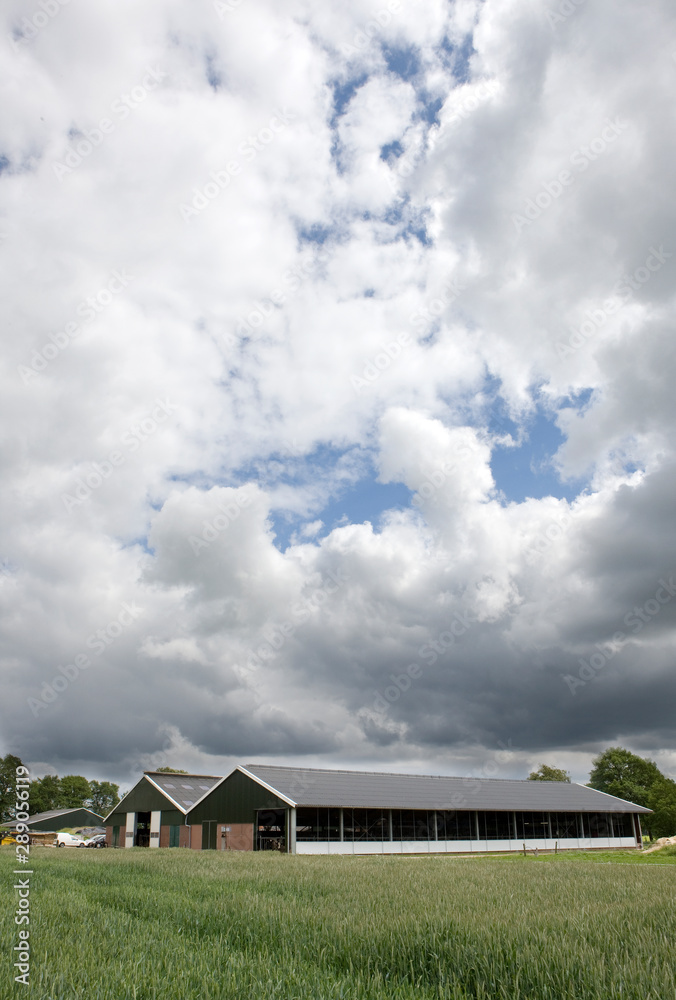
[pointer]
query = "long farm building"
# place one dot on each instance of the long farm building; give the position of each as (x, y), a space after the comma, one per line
(315, 811)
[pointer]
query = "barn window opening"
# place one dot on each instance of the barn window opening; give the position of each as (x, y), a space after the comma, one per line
(271, 830)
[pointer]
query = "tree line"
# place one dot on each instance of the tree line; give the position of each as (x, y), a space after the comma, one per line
(51, 792)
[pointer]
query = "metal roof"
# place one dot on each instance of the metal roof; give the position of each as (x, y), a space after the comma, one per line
(306, 786)
(184, 790)
(54, 814)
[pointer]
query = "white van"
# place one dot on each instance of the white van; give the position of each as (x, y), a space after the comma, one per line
(68, 840)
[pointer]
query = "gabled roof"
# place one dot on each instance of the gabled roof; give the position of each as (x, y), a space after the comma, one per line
(305, 786)
(182, 791)
(56, 814)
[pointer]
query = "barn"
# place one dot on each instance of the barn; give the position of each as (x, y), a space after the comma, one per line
(153, 813)
(60, 819)
(320, 811)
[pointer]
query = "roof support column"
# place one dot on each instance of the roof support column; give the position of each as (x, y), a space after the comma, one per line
(155, 828)
(389, 824)
(291, 830)
(130, 830)
(342, 825)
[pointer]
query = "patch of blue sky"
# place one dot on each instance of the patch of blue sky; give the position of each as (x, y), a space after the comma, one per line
(527, 469)
(365, 500)
(391, 151)
(458, 57)
(430, 108)
(316, 233)
(579, 400)
(403, 61)
(406, 222)
(343, 92)
(344, 483)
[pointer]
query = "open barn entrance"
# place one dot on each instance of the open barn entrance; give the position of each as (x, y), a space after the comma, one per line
(142, 838)
(271, 830)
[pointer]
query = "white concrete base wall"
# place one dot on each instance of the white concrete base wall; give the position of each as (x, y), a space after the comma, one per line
(458, 846)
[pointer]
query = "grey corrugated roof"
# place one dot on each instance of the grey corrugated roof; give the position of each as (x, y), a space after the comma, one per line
(319, 787)
(184, 789)
(57, 813)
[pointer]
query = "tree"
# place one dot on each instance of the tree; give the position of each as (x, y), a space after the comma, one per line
(171, 770)
(45, 794)
(8, 766)
(547, 773)
(662, 800)
(104, 796)
(622, 773)
(75, 791)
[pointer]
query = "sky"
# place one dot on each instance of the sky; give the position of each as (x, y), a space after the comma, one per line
(337, 379)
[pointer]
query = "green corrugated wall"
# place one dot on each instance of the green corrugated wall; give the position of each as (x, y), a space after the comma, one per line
(235, 800)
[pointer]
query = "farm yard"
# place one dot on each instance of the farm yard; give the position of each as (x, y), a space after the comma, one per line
(181, 925)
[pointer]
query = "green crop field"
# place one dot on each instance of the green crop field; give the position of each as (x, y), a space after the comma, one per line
(179, 925)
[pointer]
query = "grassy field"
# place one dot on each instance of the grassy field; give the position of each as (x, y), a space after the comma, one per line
(150, 925)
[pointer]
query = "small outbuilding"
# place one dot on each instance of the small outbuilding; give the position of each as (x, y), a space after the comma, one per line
(59, 819)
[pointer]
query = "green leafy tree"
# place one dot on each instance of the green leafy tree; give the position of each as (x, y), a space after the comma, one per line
(662, 800)
(547, 773)
(622, 773)
(45, 794)
(171, 770)
(8, 766)
(104, 796)
(75, 791)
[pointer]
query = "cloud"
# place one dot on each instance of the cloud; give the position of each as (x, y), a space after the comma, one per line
(253, 263)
